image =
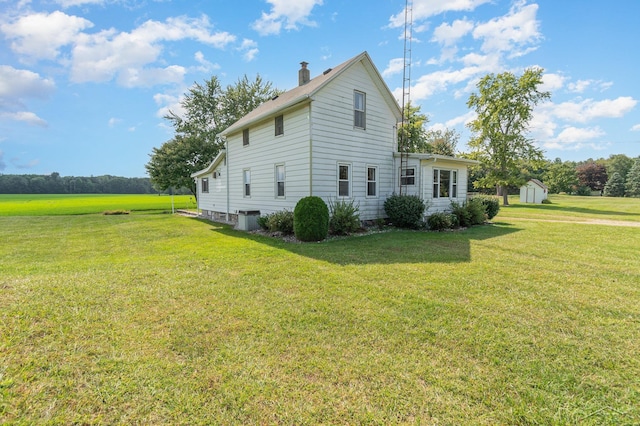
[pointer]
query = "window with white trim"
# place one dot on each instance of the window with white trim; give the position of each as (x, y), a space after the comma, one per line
(245, 137)
(204, 185)
(445, 183)
(408, 176)
(359, 109)
(246, 181)
(280, 180)
(279, 125)
(372, 181)
(344, 180)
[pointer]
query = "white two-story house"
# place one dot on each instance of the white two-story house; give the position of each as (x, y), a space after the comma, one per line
(333, 136)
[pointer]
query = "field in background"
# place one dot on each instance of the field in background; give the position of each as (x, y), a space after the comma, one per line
(163, 319)
(72, 204)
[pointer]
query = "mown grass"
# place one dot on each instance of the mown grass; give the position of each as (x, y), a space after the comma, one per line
(72, 204)
(161, 319)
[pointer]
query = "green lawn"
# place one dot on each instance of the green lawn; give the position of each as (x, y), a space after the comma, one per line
(52, 204)
(163, 319)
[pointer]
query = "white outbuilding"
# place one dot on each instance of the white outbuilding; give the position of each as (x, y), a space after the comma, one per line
(533, 192)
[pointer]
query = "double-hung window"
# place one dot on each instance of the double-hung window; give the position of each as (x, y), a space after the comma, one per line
(279, 125)
(204, 185)
(445, 183)
(245, 137)
(280, 180)
(246, 180)
(344, 180)
(359, 109)
(408, 176)
(372, 181)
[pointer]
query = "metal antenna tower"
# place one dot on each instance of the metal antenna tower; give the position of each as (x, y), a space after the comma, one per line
(403, 145)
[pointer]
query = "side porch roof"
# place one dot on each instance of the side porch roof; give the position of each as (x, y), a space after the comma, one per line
(221, 156)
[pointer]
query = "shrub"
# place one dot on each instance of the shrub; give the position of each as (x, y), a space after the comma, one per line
(345, 217)
(477, 211)
(311, 219)
(281, 221)
(405, 211)
(469, 213)
(546, 201)
(440, 221)
(263, 222)
(491, 205)
(583, 190)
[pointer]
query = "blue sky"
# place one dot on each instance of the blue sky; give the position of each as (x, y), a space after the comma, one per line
(84, 84)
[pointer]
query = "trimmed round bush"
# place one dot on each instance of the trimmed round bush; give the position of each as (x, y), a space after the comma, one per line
(311, 219)
(404, 211)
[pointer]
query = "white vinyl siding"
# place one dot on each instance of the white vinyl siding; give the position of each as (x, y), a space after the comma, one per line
(335, 139)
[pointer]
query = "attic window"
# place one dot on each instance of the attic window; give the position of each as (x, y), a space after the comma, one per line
(245, 137)
(279, 125)
(359, 109)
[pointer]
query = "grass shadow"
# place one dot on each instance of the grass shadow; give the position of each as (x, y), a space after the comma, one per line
(389, 247)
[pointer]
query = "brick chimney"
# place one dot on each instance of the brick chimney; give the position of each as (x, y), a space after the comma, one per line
(303, 74)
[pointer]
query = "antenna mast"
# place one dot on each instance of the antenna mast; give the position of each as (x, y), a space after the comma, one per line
(406, 92)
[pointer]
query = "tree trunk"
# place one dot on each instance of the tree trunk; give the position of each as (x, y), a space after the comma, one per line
(502, 190)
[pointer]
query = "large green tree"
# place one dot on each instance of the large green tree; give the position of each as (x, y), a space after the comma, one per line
(416, 138)
(633, 180)
(561, 176)
(208, 109)
(614, 186)
(504, 107)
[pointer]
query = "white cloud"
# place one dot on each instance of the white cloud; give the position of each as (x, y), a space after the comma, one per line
(69, 3)
(395, 66)
(16, 85)
(449, 34)
(113, 121)
(511, 33)
(581, 86)
(102, 56)
(287, 14)
(41, 35)
(424, 9)
(590, 109)
(249, 48)
(572, 135)
(25, 116)
(552, 81)
(636, 128)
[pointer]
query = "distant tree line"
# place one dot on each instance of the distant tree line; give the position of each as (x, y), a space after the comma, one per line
(56, 184)
(616, 176)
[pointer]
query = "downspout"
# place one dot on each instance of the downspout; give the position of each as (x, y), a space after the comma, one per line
(310, 151)
(226, 157)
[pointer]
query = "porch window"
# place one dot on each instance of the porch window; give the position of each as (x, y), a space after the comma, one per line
(445, 183)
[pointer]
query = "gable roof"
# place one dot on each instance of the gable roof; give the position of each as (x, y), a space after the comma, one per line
(221, 155)
(304, 93)
(537, 182)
